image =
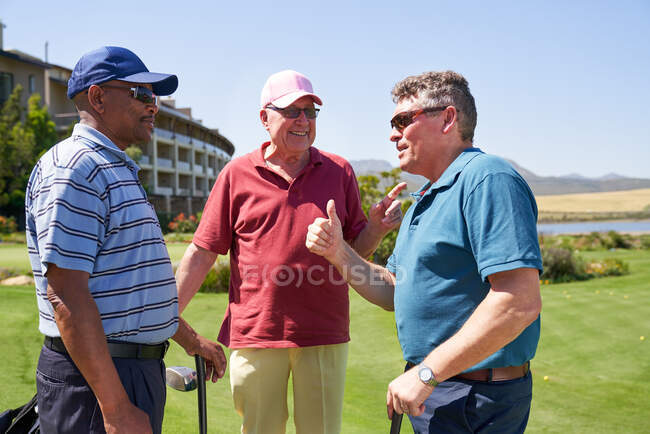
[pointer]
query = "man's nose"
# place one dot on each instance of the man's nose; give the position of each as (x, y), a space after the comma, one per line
(395, 135)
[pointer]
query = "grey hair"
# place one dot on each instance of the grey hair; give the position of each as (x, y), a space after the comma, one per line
(436, 88)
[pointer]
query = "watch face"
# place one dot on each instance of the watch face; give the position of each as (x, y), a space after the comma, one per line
(425, 374)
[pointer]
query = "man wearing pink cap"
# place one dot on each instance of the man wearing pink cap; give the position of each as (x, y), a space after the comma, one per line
(288, 309)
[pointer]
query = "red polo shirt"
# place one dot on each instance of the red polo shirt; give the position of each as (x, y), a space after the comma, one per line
(281, 295)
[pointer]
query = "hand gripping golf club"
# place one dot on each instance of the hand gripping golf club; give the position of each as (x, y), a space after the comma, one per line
(186, 379)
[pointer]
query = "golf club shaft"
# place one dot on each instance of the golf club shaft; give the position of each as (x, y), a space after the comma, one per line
(200, 377)
(396, 423)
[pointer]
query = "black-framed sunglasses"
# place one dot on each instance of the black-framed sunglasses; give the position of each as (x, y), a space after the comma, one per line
(294, 112)
(404, 119)
(141, 93)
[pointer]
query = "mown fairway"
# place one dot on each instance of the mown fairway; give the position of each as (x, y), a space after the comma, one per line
(598, 368)
(612, 201)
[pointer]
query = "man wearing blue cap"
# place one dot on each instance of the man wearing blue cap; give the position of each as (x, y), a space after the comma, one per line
(105, 287)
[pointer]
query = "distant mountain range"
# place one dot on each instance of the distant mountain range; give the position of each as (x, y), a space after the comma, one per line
(541, 185)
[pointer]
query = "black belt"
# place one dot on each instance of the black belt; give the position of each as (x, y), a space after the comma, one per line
(122, 350)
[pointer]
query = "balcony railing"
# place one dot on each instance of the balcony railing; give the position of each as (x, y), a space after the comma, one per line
(144, 160)
(164, 134)
(165, 162)
(184, 166)
(198, 169)
(182, 191)
(164, 191)
(182, 138)
(210, 171)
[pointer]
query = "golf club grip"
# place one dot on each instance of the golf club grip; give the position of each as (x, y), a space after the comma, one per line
(200, 377)
(396, 423)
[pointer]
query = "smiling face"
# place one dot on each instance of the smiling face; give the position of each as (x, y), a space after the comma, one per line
(128, 120)
(291, 137)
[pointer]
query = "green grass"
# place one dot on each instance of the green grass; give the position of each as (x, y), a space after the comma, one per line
(598, 369)
(176, 251)
(14, 256)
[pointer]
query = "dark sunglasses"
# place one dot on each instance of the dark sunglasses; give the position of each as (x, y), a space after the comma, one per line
(141, 93)
(404, 119)
(294, 112)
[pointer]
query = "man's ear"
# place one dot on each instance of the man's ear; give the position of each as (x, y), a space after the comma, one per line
(451, 118)
(264, 117)
(96, 98)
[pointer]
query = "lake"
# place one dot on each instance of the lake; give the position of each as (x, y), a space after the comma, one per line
(587, 227)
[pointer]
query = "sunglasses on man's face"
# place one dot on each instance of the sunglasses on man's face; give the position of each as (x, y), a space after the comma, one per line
(140, 93)
(404, 119)
(294, 112)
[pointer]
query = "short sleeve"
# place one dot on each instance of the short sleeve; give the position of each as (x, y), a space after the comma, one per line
(391, 264)
(69, 218)
(501, 216)
(356, 220)
(215, 230)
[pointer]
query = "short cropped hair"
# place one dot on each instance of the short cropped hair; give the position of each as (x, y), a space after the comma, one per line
(436, 88)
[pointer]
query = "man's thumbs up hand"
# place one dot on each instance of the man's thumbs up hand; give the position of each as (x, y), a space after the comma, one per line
(324, 235)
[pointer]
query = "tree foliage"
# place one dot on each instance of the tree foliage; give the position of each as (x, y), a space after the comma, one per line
(22, 142)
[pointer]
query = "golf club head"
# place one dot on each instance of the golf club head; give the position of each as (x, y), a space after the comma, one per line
(181, 378)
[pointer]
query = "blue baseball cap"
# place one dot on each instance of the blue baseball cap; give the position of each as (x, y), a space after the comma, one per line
(117, 63)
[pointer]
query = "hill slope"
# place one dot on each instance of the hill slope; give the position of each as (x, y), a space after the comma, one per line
(541, 185)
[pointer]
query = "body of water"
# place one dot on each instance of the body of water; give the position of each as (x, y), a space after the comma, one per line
(587, 227)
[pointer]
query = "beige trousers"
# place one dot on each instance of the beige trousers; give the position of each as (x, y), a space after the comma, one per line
(259, 379)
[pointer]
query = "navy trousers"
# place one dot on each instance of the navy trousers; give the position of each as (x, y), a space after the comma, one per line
(66, 404)
(464, 406)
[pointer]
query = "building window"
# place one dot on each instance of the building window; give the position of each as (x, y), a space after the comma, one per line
(6, 86)
(32, 84)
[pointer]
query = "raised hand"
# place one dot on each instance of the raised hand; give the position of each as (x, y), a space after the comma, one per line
(387, 214)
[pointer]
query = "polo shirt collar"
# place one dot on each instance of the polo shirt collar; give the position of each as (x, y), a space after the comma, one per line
(257, 157)
(450, 174)
(89, 133)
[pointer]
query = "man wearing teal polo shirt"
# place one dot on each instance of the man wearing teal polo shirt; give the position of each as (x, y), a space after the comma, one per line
(464, 276)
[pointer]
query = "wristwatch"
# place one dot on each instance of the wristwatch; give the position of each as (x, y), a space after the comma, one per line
(425, 374)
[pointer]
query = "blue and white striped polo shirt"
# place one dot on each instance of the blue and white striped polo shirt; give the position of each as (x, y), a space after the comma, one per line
(87, 211)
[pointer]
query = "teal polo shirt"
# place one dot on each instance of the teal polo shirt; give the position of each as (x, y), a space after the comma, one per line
(478, 219)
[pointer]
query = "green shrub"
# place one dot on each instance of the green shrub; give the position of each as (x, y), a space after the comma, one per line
(618, 241)
(183, 225)
(217, 280)
(645, 242)
(8, 225)
(164, 218)
(607, 267)
(385, 248)
(560, 265)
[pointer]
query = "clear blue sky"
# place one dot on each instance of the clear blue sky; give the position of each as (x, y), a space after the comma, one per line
(561, 86)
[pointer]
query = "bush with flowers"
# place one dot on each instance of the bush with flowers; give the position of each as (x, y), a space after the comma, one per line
(8, 225)
(181, 224)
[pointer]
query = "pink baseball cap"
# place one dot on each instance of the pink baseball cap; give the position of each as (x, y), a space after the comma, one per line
(283, 88)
